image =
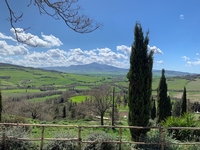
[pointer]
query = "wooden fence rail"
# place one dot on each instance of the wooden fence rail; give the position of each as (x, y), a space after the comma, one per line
(79, 137)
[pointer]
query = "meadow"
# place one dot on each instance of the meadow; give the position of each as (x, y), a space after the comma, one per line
(23, 82)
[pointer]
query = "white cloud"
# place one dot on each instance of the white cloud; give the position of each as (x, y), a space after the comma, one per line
(193, 63)
(2, 36)
(160, 62)
(7, 50)
(155, 49)
(33, 40)
(125, 49)
(58, 57)
(181, 16)
(57, 53)
(185, 58)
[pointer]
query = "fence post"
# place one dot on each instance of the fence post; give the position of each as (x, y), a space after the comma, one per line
(42, 138)
(3, 138)
(162, 138)
(120, 138)
(79, 138)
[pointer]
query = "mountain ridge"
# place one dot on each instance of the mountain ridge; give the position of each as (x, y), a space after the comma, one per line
(96, 68)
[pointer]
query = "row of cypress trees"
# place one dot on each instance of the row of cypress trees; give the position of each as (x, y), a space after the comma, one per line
(140, 87)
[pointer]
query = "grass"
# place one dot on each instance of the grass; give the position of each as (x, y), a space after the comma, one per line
(82, 87)
(80, 98)
(23, 77)
(44, 98)
(19, 92)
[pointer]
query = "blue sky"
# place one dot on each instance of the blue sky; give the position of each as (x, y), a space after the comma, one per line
(174, 34)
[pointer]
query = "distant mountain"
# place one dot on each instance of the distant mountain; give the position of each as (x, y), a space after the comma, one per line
(95, 68)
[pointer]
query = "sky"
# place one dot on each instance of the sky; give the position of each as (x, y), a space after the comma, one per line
(174, 27)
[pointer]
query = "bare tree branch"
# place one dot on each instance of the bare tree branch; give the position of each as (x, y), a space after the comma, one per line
(61, 9)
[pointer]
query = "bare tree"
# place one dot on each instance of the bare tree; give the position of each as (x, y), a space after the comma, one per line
(58, 9)
(101, 100)
(34, 109)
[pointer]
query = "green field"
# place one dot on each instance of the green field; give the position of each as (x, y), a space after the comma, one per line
(43, 98)
(19, 81)
(79, 98)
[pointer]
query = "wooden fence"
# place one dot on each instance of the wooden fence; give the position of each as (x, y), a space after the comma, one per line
(80, 141)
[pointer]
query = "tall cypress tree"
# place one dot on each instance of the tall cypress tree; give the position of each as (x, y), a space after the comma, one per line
(64, 112)
(140, 81)
(153, 109)
(0, 106)
(184, 102)
(164, 102)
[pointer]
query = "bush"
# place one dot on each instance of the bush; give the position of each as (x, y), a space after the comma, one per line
(62, 145)
(99, 139)
(153, 136)
(187, 120)
(11, 139)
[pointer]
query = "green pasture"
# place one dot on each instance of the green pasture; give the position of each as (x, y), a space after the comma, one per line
(19, 92)
(82, 87)
(36, 77)
(79, 98)
(41, 99)
(193, 85)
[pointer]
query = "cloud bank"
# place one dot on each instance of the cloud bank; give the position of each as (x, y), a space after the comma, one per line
(51, 53)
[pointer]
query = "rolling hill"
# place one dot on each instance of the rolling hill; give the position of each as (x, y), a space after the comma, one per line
(95, 68)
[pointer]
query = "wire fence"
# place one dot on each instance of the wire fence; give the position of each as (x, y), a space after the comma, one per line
(80, 140)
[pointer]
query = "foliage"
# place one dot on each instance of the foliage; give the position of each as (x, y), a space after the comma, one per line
(176, 111)
(0, 106)
(12, 143)
(164, 103)
(64, 112)
(98, 138)
(140, 80)
(184, 102)
(153, 136)
(187, 120)
(153, 109)
(61, 144)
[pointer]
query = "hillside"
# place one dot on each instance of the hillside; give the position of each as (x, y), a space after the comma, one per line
(95, 68)
(20, 76)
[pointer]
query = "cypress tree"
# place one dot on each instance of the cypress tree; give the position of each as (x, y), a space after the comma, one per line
(140, 81)
(64, 112)
(184, 102)
(153, 110)
(0, 106)
(164, 102)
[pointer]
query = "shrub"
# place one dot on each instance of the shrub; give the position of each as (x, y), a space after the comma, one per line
(99, 139)
(153, 136)
(187, 120)
(11, 139)
(62, 145)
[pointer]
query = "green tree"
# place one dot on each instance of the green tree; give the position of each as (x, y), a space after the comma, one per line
(64, 112)
(153, 109)
(176, 111)
(140, 82)
(164, 103)
(0, 106)
(184, 102)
